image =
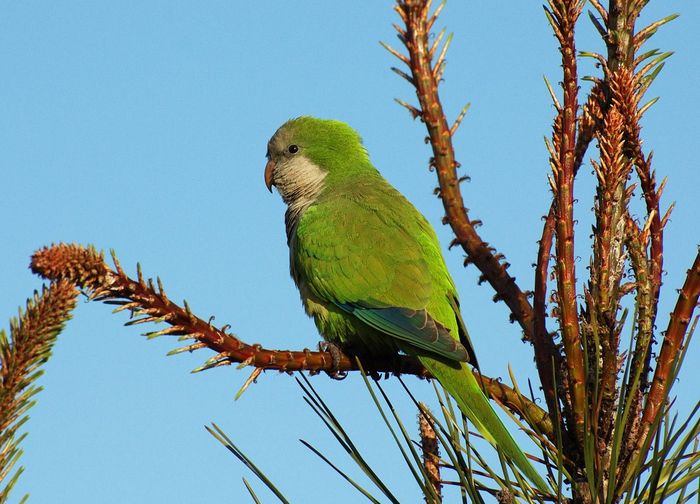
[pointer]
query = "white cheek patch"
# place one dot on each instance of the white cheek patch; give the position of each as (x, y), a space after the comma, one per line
(299, 180)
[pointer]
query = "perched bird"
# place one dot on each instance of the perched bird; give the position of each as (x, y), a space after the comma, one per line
(369, 268)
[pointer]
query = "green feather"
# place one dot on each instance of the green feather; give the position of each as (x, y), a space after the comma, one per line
(415, 327)
(370, 270)
(461, 384)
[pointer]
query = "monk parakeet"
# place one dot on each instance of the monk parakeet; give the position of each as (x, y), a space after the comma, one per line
(369, 268)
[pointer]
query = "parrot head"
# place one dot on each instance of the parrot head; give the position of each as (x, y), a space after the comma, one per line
(305, 153)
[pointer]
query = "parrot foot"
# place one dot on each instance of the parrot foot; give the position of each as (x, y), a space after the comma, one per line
(336, 356)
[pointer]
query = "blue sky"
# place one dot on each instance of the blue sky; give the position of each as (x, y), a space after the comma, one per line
(141, 126)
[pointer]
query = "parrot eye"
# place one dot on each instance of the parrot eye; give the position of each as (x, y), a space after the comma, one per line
(293, 149)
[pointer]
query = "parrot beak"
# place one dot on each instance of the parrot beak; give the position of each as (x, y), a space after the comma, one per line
(269, 169)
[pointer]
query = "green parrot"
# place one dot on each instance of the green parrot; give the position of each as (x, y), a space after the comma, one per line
(369, 268)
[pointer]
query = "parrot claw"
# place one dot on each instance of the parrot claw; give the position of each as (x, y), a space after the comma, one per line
(336, 356)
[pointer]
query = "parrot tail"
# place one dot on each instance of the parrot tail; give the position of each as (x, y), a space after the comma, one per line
(461, 384)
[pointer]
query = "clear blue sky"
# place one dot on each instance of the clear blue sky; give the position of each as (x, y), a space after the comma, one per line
(141, 126)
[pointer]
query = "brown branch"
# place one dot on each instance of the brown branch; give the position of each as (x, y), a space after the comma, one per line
(547, 355)
(425, 77)
(563, 16)
(652, 196)
(620, 37)
(645, 246)
(641, 355)
(589, 124)
(86, 268)
(631, 89)
(607, 265)
(431, 452)
(670, 351)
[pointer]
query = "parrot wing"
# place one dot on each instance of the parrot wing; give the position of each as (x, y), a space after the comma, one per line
(416, 327)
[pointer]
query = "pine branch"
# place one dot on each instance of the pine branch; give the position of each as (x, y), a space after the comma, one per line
(32, 336)
(602, 327)
(547, 354)
(426, 73)
(86, 268)
(563, 16)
